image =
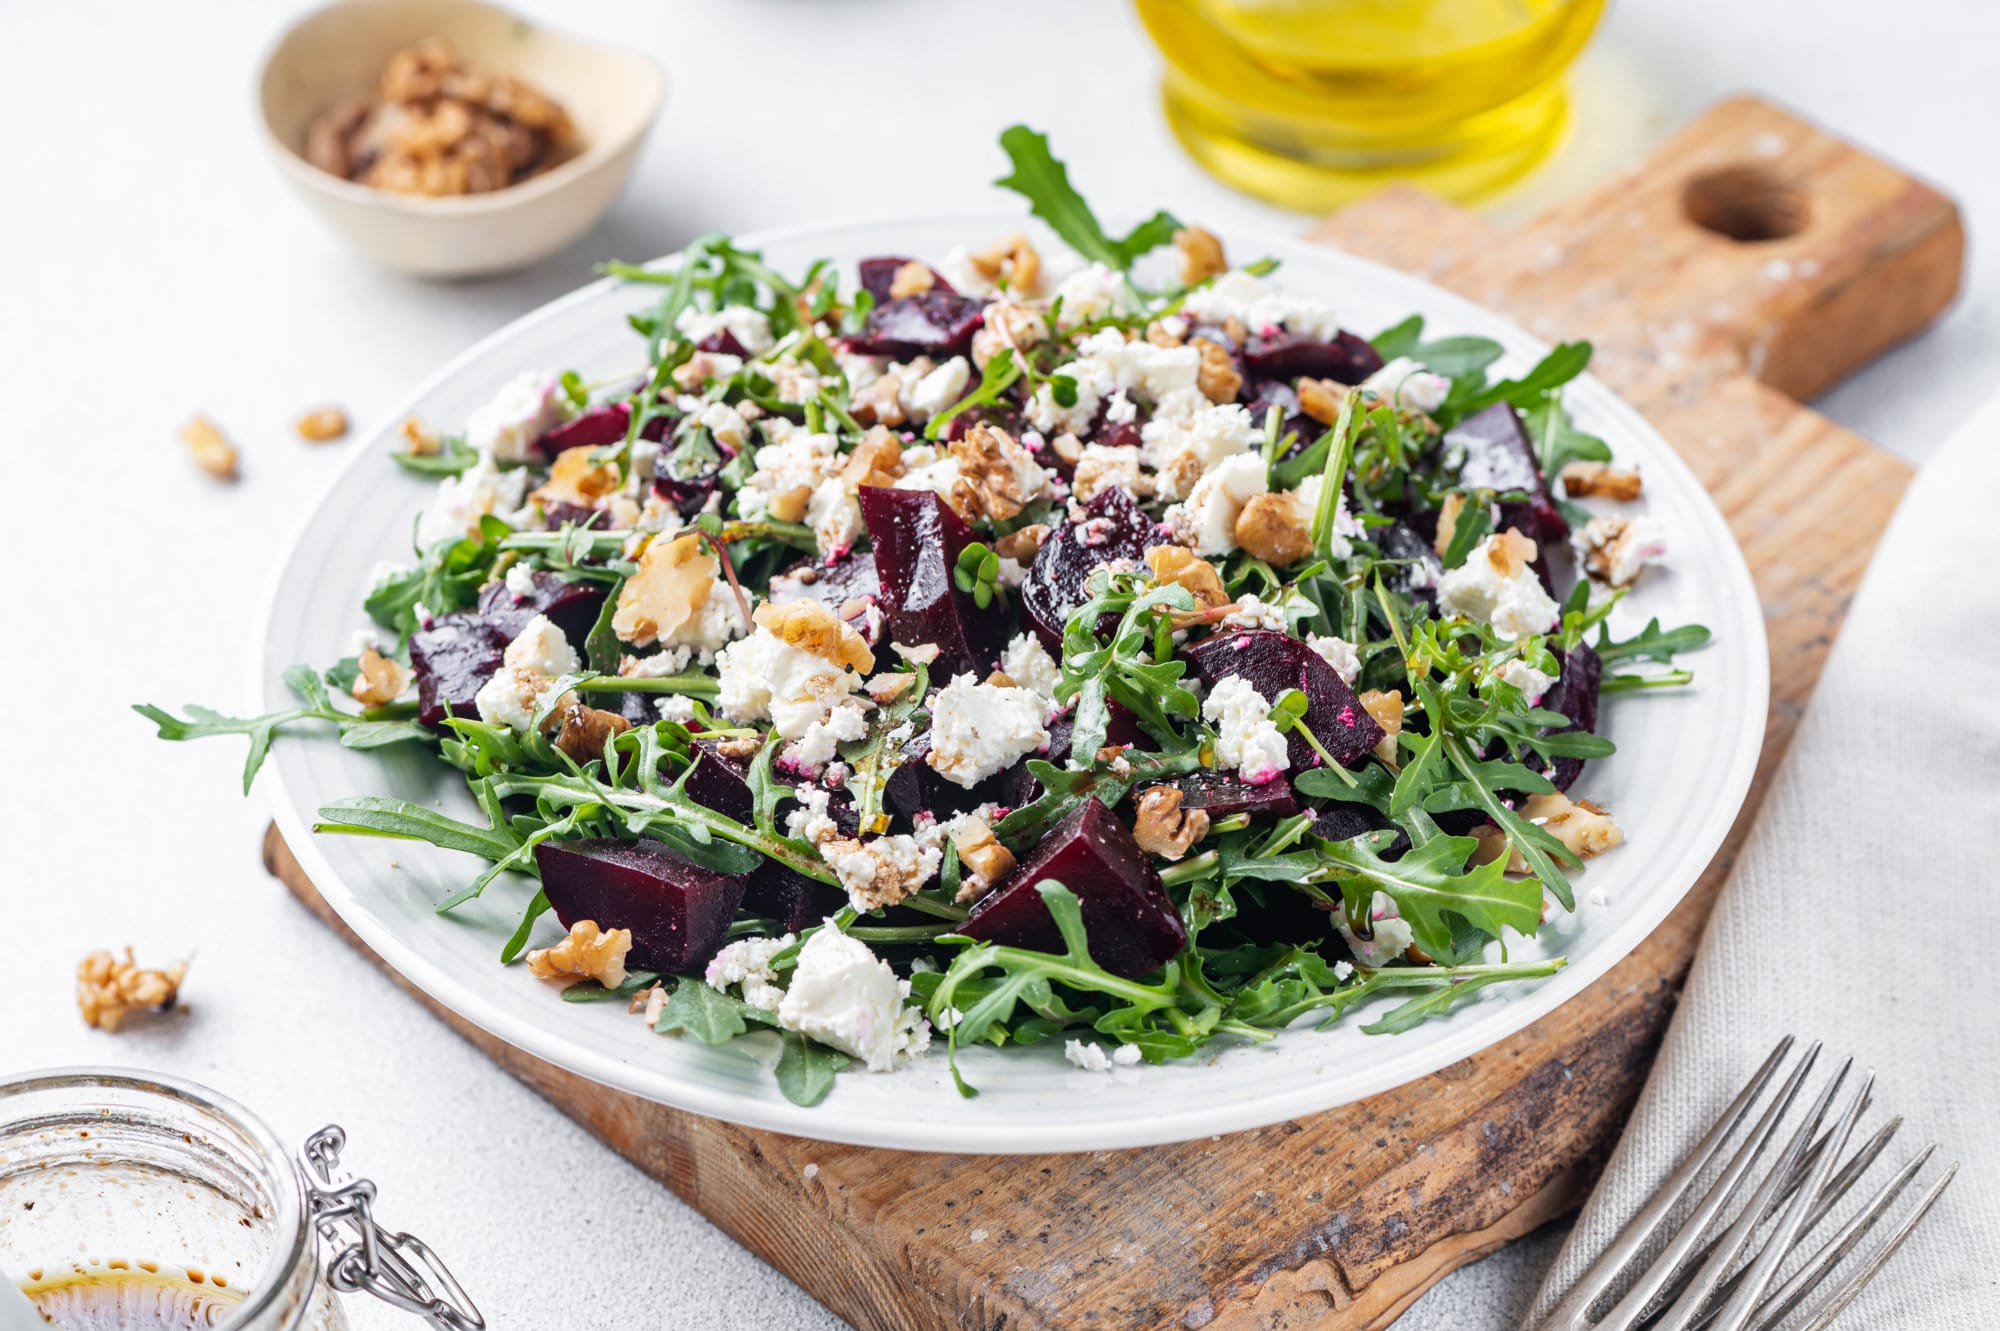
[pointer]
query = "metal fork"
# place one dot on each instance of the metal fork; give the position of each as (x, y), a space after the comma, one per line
(1713, 1274)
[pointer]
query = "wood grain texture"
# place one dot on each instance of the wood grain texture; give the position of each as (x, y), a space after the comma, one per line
(1339, 1221)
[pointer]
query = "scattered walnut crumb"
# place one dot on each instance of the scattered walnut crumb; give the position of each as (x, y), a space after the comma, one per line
(419, 439)
(912, 279)
(924, 653)
(1067, 447)
(990, 464)
(1583, 480)
(1201, 255)
(1510, 553)
(1454, 504)
(1387, 709)
(986, 860)
(1009, 326)
(587, 954)
(1100, 472)
(877, 460)
(1584, 828)
(1616, 550)
(322, 425)
(885, 689)
(108, 990)
(673, 582)
(1219, 379)
(583, 732)
(575, 479)
(1012, 261)
(1177, 563)
(378, 680)
(881, 402)
(1160, 335)
(999, 679)
(1176, 476)
(1022, 544)
(812, 627)
(1321, 399)
(213, 452)
(740, 748)
(790, 505)
(1275, 528)
(1162, 827)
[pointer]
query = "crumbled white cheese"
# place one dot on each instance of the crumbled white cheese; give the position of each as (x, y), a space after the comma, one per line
(1345, 525)
(794, 380)
(935, 391)
(520, 582)
(845, 722)
(1338, 653)
(763, 677)
(1408, 384)
(1262, 305)
(796, 459)
(750, 327)
(726, 423)
(1188, 434)
(1087, 1055)
(1252, 612)
(1106, 364)
(527, 668)
(675, 707)
(1515, 606)
(1126, 1055)
(1392, 935)
(979, 729)
(1093, 292)
(481, 490)
(527, 406)
(717, 622)
(1531, 682)
(1245, 738)
(1102, 466)
(884, 869)
(1121, 409)
(746, 963)
(1029, 665)
(810, 822)
(1206, 520)
(1343, 971)
(843, 995)
(1617, 550)
(834, 514)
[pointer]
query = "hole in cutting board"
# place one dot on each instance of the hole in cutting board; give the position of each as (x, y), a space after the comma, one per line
(1747, 203)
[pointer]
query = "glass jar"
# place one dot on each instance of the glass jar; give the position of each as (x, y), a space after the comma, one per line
(135, 1199)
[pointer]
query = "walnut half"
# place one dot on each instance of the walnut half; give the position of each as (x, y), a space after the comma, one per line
(1276, 528)
(108, 990)
(1162, 827)
(986, 860)
(589, 953)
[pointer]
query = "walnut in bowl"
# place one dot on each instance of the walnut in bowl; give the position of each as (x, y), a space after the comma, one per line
(449, 138)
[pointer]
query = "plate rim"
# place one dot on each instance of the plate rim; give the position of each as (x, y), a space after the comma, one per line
(438, 982)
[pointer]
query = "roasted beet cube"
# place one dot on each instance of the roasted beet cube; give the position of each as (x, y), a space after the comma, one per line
(918, 540)
(916, 787)
(678, 911)
(688, 494)
(1128, 918)
(1221, 794)
(832, 583)
(937, 323)
(1419, 577)
(1275, 662)
(1347, 359)
(598, 427)
(723, 343)
(570, 606)
(778, 892)
(452, 660)
(1114, 529)
(1500, 457)
(719, 783)
(878, 276)
(1574, 694)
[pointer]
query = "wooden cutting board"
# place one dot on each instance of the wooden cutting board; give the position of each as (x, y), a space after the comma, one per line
(1749, 263)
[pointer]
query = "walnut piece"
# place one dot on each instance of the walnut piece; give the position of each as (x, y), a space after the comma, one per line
(1387, 709)
(911, 279)
(1201, 255)
(1022, 544)
(812, 627)
(321, 425)
(1008, 326)
(212, 451)
(378, 680)
(1321, 399)
(1160, 335)
(109, 990)
(584, 732)
(1276, 528)
(1454, 504)
(1616, 550)
(1510, 553)
(1067, 447)
(575, 479)
(587, 954)
(1162, 827)
(880, 403)
(790, 505)
(741, 748)
(1583, 480)
(990, 470)
(986, 860)
(885, 689)
(877, 460)
(1012, 261)
(1584, 828)
(1219, 379)
(1177, 563)
(673, 582)
(419, 439)
(1101, 471)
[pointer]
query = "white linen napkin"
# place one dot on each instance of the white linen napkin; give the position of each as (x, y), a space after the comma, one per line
(1865, 910)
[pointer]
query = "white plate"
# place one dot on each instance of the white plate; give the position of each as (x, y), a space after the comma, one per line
(1684, 762)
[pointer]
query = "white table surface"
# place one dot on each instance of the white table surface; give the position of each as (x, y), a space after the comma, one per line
(160, 267)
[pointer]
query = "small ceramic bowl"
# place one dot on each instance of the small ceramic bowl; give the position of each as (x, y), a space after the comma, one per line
(612, 96)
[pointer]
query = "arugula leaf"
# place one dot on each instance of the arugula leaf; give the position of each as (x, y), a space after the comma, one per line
(1428, 886)
(806, 1069)
(706, 1013)
(590, 991)
(1044, 182)
(1652, 643)
(999, 375)
(1458, 358)
(1554, 370)
(1557, 441)
(453, 458)
(1399, 339)
(378, 815)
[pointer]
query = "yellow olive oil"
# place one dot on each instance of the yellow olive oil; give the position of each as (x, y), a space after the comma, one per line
(1310, 103)
(122, 1297)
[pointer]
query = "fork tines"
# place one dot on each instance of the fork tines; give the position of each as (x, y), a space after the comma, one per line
(1709, 1258)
